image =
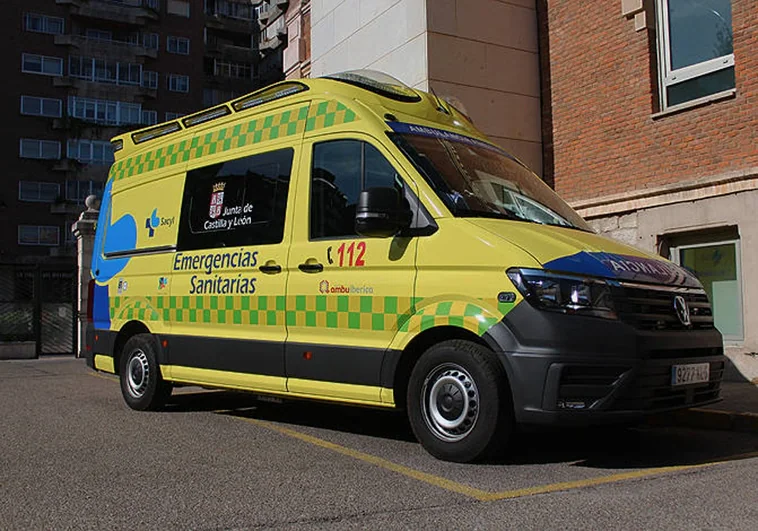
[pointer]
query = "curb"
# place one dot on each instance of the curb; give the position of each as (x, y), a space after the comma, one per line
(709, 419)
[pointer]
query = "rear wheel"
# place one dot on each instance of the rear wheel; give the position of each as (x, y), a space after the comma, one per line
(142, 386)
(459, 403)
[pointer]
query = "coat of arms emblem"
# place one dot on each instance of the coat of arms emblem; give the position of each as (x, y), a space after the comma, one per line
(217, 200)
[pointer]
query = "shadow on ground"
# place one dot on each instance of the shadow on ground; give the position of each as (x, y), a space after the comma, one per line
(597, 447)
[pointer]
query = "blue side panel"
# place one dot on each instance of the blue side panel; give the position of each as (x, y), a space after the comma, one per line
(119, 236)
(101, 315)
(624, 267)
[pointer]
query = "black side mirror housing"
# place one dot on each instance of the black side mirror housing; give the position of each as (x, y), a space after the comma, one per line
(381, 212)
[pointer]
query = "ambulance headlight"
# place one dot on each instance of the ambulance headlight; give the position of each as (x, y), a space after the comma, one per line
(570, 294)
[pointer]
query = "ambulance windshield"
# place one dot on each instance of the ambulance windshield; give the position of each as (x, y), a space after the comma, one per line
(475, 179)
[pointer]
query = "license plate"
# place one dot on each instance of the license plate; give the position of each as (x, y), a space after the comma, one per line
(690, 373)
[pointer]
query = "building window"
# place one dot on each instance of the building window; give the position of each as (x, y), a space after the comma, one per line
(104, 71)
(178, 83)
(90, 151)
(695, 49)
(178, 45)
(30, 148)
(41, 64)
(215, 96)
(173, 116)
(230, 9)
(38, 192)
(151, 40)
(178, 7)
(150, 79)
(43, 24)
(717, 265)
(149, 117)
(235, 70)
(78, 191)
(38, 235)
(104, 111)
(152, 4)
(33, 106)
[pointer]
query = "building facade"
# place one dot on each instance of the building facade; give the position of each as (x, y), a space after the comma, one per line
(81, 71)
(652, 135)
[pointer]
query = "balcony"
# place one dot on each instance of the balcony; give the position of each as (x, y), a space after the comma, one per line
(271, 10)
(133, 12)
(232, 53)
(274, 36)
(67, 208)
(116, 50)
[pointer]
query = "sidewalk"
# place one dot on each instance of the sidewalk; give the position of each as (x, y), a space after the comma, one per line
(738, 411)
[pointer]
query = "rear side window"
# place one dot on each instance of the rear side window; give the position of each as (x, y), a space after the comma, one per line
(341, 170)
(236, 203)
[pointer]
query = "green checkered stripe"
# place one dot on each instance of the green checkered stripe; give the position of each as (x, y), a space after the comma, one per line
(309, 117)
(333, 311)
(461, 314)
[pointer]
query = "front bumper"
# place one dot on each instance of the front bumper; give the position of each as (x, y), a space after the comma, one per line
(567, 369)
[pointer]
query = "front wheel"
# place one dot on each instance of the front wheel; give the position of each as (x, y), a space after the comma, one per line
(142, 386)
(459, 403)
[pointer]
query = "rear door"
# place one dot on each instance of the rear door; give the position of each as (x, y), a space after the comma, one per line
(346, 294)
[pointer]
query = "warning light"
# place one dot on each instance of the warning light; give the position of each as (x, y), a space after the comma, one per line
(307, 355)
(97, 337)
(165, 343)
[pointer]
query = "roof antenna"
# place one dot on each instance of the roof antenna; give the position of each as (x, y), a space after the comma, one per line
(440, 107)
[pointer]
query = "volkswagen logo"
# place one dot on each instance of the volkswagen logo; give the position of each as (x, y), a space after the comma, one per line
(682, 310)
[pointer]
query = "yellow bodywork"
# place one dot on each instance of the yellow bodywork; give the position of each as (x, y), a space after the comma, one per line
(451, 278)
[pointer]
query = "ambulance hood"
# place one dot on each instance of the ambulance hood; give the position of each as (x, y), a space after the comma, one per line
(584, 253)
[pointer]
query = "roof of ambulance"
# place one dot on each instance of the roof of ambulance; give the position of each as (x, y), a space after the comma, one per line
(383, 101)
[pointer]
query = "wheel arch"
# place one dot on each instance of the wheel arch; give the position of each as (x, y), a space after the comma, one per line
(129, 330)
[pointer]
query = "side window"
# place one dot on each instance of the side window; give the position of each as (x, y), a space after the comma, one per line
(236, 203)
(341, 170)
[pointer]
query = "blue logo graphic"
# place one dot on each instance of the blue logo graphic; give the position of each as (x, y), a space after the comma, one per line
(152, 223)
(119, 236)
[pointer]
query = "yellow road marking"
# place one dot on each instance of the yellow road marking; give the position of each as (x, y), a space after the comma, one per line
(479, 494)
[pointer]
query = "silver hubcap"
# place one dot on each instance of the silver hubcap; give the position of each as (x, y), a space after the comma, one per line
(137, 374)
(450, 401)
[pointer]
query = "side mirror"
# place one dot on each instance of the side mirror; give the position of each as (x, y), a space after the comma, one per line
(381, 212)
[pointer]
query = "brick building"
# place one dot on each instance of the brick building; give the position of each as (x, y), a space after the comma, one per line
(650, 128)
(81, 71)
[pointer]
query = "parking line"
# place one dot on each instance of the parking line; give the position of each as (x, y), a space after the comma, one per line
(472, 492)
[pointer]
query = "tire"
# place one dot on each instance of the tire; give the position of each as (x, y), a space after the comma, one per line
(142, 386)
(459, 403)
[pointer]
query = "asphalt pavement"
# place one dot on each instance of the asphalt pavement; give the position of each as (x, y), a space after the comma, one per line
(73, 456)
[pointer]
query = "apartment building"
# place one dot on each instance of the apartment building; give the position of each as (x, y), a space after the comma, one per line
(81, 71)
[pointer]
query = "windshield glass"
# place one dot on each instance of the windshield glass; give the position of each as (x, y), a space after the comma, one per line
(475, 179)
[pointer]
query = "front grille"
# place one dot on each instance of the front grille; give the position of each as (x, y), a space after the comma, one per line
(659, 354)
(652, 307)
(651, 389)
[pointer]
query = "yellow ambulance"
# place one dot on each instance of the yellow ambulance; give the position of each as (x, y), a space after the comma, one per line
(355, 240)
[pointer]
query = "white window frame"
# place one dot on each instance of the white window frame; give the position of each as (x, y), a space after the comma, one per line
(669, 76)
(174, 79)
(107, 112)
(675, 256)
(150, 79)
(38, 227)
(174, 45)
(41, 102)
(39, 195)
(40, 149)
(43, 58)
(74, 150)
(46, 19)
(88, 187)
(150, 39)
(101, 70)
(149, 117)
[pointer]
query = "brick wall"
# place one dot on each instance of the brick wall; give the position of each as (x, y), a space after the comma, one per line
(600, 84)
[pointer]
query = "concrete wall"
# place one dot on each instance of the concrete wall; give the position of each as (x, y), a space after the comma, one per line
(483, 52)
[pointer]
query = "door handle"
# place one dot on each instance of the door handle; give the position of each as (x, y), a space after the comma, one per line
(311, 266)
(270, 268)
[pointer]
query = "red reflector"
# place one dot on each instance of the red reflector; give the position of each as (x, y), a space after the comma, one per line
(307, 355)
(165, 343)
(97, 337)
(88, 348)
